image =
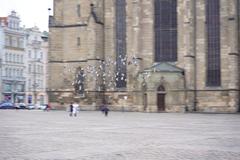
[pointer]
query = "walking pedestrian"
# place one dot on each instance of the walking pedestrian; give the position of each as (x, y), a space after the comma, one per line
(75, 109)
(48, 107)
(105, 110)
(71, 110)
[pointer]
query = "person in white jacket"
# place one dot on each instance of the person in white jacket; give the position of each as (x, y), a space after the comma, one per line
(75, 109)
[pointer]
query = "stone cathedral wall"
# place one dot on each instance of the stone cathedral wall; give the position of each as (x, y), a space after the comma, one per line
(97, 42)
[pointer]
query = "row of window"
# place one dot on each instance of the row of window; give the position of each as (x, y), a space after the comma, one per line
(36, 55)
(33, 39)
(35, 69)
(13, 72)
(13, 24)
(13, 41)
(15, 58)
(13, 87)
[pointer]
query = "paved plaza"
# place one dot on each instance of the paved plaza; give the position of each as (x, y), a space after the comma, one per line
(39, 135)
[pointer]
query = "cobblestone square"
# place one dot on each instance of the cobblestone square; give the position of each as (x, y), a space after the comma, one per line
(38, 135)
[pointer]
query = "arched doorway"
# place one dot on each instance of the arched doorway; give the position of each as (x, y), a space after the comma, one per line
(161, 98)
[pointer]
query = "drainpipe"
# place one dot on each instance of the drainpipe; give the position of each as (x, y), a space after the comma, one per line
(238, 13)
(195, 53)
(1, 84)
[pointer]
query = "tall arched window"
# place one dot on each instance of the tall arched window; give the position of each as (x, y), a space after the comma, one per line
(213, 42)
(165, 30)
(120, 43)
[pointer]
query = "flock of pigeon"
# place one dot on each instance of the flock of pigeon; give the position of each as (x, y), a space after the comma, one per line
(101, 72)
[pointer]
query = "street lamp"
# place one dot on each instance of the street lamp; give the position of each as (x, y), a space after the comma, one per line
(1, 78)
(35, 84)
(14, 91)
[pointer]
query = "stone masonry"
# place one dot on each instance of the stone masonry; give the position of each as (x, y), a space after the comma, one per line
(82, 34)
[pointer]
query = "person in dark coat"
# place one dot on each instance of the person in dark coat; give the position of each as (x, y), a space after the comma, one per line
(105, 110)
(71, 109)
(48, 107)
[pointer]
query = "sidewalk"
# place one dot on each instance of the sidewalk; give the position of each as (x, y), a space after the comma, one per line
(31, 135)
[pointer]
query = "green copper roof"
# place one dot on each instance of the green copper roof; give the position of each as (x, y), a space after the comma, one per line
(164, 67)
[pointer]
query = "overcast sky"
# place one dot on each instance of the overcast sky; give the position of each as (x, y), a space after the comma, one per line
(31, 12)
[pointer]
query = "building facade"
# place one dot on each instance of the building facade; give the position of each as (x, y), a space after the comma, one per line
(23, 62)
(151, 55)
(36, 56)
(12, 55)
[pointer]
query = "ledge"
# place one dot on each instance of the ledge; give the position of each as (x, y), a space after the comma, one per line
(235, 54)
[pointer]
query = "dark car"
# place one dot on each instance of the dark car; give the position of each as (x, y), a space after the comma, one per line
(7, 105)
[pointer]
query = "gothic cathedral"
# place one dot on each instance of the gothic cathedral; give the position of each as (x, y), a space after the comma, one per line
(145, 55)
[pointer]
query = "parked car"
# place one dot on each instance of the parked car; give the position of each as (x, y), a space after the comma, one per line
(21, 106)
(31, 106)
(7, 105)
(42, 107)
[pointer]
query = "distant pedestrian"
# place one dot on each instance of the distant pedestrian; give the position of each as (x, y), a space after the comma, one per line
(47, 108)
(71, 110)
(105, 110)
(75, 109)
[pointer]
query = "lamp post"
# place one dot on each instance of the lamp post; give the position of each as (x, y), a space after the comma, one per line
(1, 79)
(35, 84)
(14, 91)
